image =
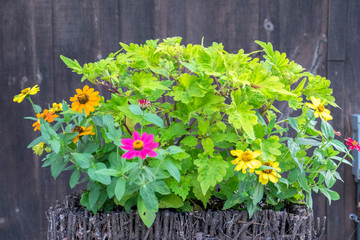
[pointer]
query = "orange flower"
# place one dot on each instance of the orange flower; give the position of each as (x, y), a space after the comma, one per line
(82, 131)
(85, 99)
(47, 115)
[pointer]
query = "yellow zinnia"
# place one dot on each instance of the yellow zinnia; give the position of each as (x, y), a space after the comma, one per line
(269, 174)
(26, 92)
(320, 110)
(85, 99)
(56, 107)
(245, 160)
(82, 131)
(39, 149)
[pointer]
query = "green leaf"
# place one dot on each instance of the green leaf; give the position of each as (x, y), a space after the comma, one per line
(329, 194)
(55, 144)
(155, 119)
(258, 192)
(170, 201)
(294, 124)
(82, 159)
(190, 141)
(120, 188)
(108, 172)
(327, 129)
(147, 216)
(203, 125)
(329, 179)
(234, 200)
(136, 109)
(161, 187)
(92, 147)
(308, 141)
(174, 149)
(208, 145)
(211, 171)
(243, 117)
(93, 195)
(74, 179)
(110, 189)
(104, 179)
(57, 166)
(182, 189)
(73, 64)
(148, 196)
(170, 167)
(270, 148)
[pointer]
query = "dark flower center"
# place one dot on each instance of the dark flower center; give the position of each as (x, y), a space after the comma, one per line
(78, 129)
(267, 171)
(83, 98)
(321, 108)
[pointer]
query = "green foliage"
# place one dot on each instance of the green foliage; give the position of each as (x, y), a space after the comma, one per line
(203, 103)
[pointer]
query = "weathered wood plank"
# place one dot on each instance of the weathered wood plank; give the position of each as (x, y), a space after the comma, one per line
(337, 30)
(335, 212)
(269, 22)
(233, 22)
(351, 99)
(136, 21)
(26, 44)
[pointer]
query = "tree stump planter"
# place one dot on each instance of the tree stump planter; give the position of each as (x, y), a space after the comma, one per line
(71, 221)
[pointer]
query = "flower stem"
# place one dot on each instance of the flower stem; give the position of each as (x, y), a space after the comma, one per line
(33, 105)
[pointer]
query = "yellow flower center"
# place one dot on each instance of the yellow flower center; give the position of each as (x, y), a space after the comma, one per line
(25, 91)
(246, 156)
(83, 98)
(138, 145)
(355, 143)
(320, 108)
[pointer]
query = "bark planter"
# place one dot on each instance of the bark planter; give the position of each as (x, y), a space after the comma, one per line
(69, 220)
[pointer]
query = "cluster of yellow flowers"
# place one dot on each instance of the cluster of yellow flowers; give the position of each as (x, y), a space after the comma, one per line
(247, 160)
(86, 99)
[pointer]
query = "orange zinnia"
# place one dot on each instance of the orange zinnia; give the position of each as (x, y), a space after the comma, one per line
(82, 131)
(47, 115)
(85, 99)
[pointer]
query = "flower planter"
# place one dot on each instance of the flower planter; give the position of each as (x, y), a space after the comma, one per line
(69, 221)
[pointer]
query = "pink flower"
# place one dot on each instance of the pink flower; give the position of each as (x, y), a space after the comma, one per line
(139, 146)
(337, 133)
(144, 103)
(353, 144)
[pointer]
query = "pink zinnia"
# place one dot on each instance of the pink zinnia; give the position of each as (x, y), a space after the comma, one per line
(353, 144)
(139, 146)
(144, 103)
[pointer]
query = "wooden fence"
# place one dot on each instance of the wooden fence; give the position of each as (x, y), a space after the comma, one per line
(321, 35)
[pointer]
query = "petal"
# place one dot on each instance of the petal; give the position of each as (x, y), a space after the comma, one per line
(256, 154)
(143, 154)
(129, 154)
(316, 114)
(236, 153)
(273, 178)
(315, 101)
(136, 136)
(152, 153)
(78, 91)
(85, 88)
(127, 142)
(152, 145)
(310, 105)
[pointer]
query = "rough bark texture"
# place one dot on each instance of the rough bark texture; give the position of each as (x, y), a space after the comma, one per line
(69, 221)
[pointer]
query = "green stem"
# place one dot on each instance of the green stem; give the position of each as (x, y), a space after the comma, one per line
(33, 105)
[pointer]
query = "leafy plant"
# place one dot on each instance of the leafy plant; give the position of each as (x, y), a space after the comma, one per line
(187, 124)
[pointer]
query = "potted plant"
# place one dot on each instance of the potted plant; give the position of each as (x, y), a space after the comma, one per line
(194, 130)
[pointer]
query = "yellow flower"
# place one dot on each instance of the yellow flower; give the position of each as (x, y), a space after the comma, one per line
(269, 174)
(245, 160)
(39, 149)
(82, 131)
(320, 110)
(26, 92)
(85, 99)
(47, 115)
(56, 107)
